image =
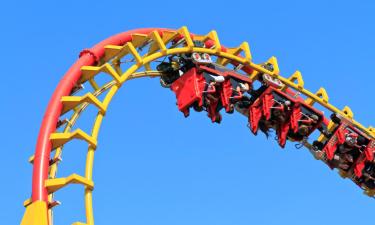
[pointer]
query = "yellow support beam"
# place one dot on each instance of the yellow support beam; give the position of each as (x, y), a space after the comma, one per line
(59, 139)
(371, 130)
(214, 37)
(275, 64)
(94, 84)
(186, 34)
(297, 76)
(168, 36)
(111, 51)
(121, 51)
(129, 48)
(36, 214)
(148, 67)
(139, 39)
(56, 184)
(117, 66)
(79, 223)
(108, 69)
(244, 47)
(348, 112)
(322, 94)
(89, 72)
(71, 102)
(157, 44)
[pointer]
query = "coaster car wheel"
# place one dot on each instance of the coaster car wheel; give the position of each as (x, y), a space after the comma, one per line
(335, 118)
(318, 145)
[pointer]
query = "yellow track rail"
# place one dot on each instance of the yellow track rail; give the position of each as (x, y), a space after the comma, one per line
(155, 46)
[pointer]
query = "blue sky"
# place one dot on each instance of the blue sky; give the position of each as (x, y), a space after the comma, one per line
(152, 165)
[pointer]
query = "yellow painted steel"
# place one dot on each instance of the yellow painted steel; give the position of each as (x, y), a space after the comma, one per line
(297, 76)
(244, 47)
(139, 39)
(55, 184)
(372, 130)
(88, 72)
(157, 49)
(111, 51)
(168, 36)
(71, 102)
(348, 112)
(187, 37)
(60, 139)
(58, 152)
(35, 214)
(158, 43)
(275, 64)
(214, 37)
(322, 94)
(129, 47)
(90, 155)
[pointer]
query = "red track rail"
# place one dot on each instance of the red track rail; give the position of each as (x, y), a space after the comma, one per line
(88, 57)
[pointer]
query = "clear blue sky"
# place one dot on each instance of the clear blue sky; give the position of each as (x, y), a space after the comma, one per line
(153, 166)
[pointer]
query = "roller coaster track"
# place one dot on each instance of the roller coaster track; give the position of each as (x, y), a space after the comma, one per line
(141, 48)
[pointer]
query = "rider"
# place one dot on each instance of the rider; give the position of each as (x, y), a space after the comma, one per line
(279, 112)
(265, 126)
(306, 124)
(368, 176)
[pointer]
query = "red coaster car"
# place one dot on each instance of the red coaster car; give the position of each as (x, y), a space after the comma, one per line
(191, 90)
(366, 160)
(362, 171)
(347, 148)
(209, 86)
(291, 118)
(304, 121)
(271, 110)
(366, 178)
(233, 87)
